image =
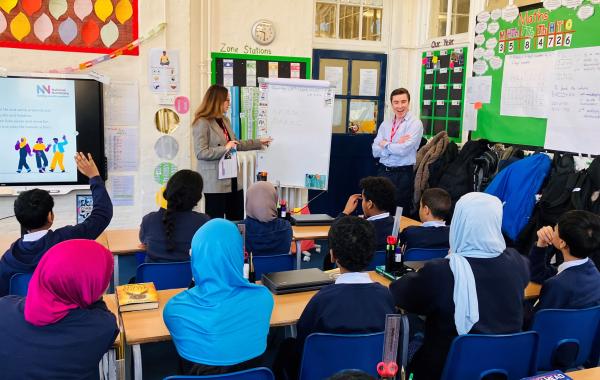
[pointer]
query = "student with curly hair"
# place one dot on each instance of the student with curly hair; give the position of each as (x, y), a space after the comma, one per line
(167, 233)
(353, 305)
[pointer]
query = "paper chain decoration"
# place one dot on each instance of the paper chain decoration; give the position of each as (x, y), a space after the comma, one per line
(74, 25)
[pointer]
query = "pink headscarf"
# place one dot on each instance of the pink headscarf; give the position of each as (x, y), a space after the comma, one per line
(72, 274)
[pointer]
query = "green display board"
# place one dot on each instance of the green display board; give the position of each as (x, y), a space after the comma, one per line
(534, 30)
(442, 92)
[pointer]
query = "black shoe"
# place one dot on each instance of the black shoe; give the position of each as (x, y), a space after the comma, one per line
(52, 170)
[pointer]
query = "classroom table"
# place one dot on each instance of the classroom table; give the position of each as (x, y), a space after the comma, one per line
(147, 326)
(586, 374)
(123, 242)
(108, 364)
(320, 232)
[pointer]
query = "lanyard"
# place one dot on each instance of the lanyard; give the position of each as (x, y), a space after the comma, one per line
(395, 128)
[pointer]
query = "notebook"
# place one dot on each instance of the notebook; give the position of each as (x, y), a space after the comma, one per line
(294, 281)
(312, 220)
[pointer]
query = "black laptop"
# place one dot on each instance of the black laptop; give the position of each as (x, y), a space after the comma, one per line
(294, 281)
(312, 220)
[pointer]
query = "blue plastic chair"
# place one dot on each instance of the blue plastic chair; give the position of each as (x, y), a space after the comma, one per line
(261, 373)
(566, 337)
(19, 283)
(165, 275)
(422, 254)
(327, 354)
(378, 259)
(272, 263)
(474, 356)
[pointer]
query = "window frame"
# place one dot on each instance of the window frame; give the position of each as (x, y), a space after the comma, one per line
(449, 17)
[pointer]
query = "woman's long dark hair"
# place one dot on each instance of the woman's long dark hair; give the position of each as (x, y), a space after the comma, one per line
(183, 192)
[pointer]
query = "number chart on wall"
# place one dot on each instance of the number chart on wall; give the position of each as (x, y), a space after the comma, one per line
(544, 66)
(442, 85)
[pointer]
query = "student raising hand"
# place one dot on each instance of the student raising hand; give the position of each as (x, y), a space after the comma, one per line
(86, 165)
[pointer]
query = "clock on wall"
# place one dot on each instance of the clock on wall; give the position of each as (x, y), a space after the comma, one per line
(263, 32)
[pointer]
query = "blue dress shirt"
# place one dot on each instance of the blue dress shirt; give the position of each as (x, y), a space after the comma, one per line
(394, 153)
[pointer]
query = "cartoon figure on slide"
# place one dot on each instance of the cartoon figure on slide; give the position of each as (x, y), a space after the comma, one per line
(58, 148)
(24, 151)
(40, 156)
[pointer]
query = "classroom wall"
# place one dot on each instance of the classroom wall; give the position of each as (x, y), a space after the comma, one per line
(125, 68)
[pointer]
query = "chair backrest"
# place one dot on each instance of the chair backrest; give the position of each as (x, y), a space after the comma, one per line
(422, 254)
(327, 354)
(378, 259)
(474, 356)
(272, 263)
(566, 337)
(261, 373)
(165, 275)
(19, 283)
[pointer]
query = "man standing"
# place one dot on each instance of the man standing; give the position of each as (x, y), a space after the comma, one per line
(58, 148)
(396, 147)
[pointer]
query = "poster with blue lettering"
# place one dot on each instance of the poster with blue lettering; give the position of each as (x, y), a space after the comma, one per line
(37, 125)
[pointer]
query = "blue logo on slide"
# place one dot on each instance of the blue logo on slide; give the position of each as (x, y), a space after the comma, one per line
(43, 89)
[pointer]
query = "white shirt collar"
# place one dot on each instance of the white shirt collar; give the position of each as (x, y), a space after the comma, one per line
(573, 263)
(434, 223)
(34, 236)
(354, 278)
(379, 216)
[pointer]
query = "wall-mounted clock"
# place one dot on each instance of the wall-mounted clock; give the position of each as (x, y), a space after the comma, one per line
(263, 32)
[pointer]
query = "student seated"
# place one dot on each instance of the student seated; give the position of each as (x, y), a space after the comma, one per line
(434, 210)
(353, 305)
(478, 288)
(266, 234)
(62, 328)
(378, 205)
(221, 324)
(33, 210)
(167, 233)
(576, 282)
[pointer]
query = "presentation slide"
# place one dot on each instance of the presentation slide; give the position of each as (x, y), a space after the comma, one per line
(37, 125)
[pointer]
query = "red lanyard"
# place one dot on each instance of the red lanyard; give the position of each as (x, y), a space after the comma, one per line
(394, 128)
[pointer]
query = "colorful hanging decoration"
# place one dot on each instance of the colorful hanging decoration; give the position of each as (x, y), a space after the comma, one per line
(93, 26)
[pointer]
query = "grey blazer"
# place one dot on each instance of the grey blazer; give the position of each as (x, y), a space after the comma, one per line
(209, 147)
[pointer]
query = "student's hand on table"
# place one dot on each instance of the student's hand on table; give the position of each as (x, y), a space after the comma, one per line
(544, 235)
(230, 145)
(351, 204)
(266, 141)
(86, 165)
(383, 143)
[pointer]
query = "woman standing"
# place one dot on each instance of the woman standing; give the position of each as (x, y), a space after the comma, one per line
(213, 138)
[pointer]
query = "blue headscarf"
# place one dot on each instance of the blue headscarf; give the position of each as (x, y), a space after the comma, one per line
(224, 319)
(475, 231)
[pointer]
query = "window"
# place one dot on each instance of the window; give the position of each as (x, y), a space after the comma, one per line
(349, 19)
(444, 23)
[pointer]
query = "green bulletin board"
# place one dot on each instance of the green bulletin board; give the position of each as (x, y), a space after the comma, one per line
(442, 90)
(534, 30)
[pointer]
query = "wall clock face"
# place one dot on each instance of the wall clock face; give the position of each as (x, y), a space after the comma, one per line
(263, 32)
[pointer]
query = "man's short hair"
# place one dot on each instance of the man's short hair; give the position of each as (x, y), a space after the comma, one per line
(400, 91)
(381, 191)
(32, 208)
(581, 231)
(352, 240)
(439, 202)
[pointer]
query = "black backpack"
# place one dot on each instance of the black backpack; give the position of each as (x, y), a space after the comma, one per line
(457, 179)
(556, 195)
(437, 168)
(485, 167)
(586, 195)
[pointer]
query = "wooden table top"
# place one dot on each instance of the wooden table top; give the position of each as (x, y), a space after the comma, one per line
(124, 241)
(111, 303)
(147, 326)
(586, 374)
(320, 232)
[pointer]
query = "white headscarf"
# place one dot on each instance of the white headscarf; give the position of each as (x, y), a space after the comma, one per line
(475, 231)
